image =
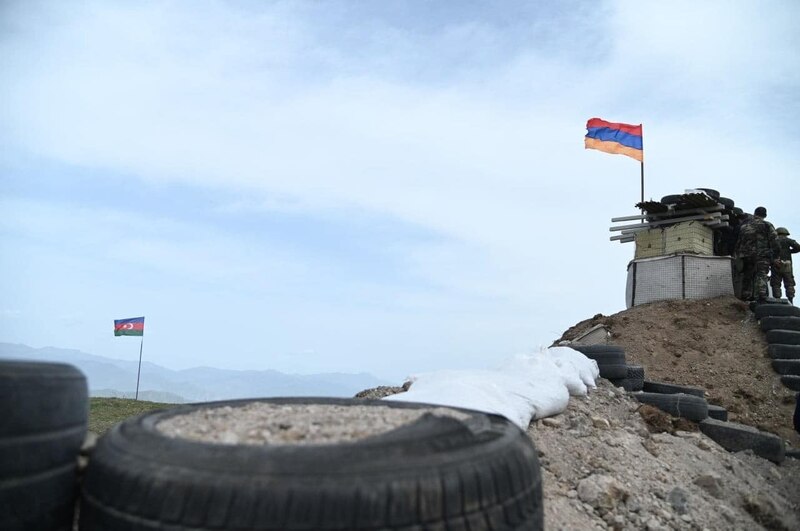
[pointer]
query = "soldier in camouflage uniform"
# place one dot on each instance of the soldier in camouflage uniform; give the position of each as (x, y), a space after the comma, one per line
(782, 270)
(758, 248)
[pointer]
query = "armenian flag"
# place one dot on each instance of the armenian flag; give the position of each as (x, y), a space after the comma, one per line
(129, 327)
(621, 139)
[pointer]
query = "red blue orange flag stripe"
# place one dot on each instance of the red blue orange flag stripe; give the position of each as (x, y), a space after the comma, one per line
(613, 137)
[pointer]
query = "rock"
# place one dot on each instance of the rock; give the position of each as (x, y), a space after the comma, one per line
(654, 525)
(765, 512)
(601, 423)
(679, 500)
(650, 446)
(703, 445)
(710, 483)
(601, 492)
(88, 443)
(551, 422)
(229, 437)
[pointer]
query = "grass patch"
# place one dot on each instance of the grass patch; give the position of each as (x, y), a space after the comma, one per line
(105, 412)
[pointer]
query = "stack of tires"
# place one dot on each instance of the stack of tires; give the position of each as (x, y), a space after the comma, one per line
(42, 426)
(690, 403)
(781, 323)
(611, 362)
(683, 402)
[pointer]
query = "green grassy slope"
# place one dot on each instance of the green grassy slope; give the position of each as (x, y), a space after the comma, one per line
(105, 412)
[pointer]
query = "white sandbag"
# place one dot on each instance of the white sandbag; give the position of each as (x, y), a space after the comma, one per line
(524, 387)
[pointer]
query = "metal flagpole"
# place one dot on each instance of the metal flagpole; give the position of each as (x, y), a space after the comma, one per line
(139, 372)
(642, 181)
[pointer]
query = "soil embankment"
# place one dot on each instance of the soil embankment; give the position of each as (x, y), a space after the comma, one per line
(714, 344)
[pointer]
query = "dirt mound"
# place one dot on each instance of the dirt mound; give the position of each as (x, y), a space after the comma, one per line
(611, 463)
(715, 344)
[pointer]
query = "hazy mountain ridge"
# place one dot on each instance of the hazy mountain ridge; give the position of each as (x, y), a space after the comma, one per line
(112, 377)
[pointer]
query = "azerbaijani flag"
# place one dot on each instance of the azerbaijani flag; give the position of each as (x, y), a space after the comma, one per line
(129, 327)
(622, 139)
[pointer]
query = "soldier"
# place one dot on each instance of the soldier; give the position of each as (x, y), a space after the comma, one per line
(782, 268)
(758, 248)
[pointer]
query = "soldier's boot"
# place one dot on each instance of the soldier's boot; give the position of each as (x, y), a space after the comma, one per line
(776, 291)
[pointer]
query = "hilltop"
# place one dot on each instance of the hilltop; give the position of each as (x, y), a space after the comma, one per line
(714, 344)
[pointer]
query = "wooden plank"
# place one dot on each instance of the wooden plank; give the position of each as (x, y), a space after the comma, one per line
(672, 213)
(652, 224)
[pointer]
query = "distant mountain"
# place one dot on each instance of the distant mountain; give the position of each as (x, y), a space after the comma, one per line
(111, 377)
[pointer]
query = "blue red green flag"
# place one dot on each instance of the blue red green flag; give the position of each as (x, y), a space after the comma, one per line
(129, 327)
(611, 137)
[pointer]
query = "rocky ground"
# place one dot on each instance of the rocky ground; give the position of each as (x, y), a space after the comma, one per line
(605, 466)
(609, 462)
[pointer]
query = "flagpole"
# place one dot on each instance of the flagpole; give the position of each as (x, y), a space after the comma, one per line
(139, 372)
(642, 181)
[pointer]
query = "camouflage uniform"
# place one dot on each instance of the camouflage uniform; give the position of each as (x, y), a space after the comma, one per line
(757, 247)
(782, 272)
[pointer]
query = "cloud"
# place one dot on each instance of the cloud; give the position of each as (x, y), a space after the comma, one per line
(457, 127)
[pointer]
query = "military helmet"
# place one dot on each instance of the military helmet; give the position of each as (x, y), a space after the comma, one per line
(782, 231)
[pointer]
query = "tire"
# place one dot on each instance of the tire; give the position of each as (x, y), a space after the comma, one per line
(774, 322)
(436, 472)
(629, 384)
(610, 359)
(633, 380)
(678, 405)
(613, 372)
(784, 352)
(717, 412)
(783, 337)
(45, 413)
(669, 389)
(787, 367)
(635, 372)
(737, 437)
(726, 202)
(713, 194)
(671, 199)
(777, 310)
(791, 382)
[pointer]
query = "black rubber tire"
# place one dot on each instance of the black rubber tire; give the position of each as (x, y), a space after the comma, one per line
(437, 473)
(613, 372)
(678, 405)
(777, 310)
(737, 437)
(629, 384)
(783, 337)
(635, 372)
(671, 199)
(784, 352)
(668, 389)
(787, 367)
(713, 194)
(791, 382)
(42, 427)
(717, 412)
(610, 359)
(612, 352)
(774, 322)
(726, 202)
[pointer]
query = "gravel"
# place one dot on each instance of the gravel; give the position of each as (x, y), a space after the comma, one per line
(262, 423)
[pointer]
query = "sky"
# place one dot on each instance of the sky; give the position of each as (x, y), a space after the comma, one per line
(350, 186)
